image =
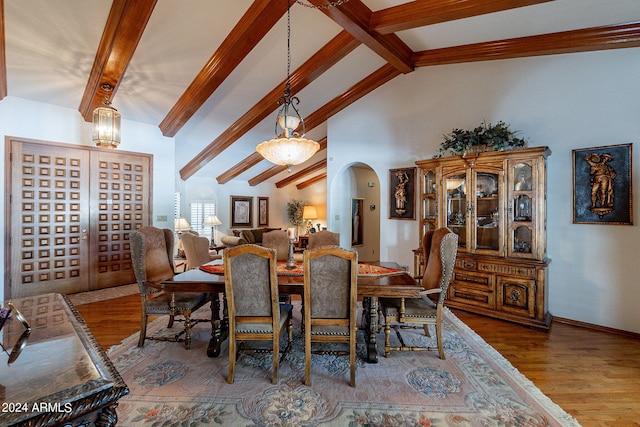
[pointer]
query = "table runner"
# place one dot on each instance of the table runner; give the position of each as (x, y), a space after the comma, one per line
(364, 270)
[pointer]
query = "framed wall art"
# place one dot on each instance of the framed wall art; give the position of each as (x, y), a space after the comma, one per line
(402, 193)
(357, 229)
(241, 211)
(263, 211)
(602, 185)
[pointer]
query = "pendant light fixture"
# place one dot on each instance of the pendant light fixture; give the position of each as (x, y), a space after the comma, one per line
(289, 147)
(106, 122)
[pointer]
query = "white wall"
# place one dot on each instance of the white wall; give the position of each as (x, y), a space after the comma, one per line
(34, 120)
(562, 101)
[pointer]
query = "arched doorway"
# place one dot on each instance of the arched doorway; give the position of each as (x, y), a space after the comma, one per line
(354, 204)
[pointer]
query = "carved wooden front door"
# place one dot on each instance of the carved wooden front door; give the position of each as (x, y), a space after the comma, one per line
(72, 208)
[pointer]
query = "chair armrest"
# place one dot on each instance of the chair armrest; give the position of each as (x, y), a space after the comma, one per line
(431, 291)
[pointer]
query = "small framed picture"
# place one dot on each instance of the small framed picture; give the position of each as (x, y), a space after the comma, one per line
(263, 211)
(241, 211)
(602, 185)
(357, 228)
(402, 193)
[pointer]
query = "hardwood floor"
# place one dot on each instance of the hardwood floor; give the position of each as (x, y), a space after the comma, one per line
(593, 375)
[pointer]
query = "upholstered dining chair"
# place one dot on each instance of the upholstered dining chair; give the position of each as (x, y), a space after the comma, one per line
(254, 310)
(278, 240)
(196, 250)
(323, 238)
(152, 259)
(440, 247)
(330, 296)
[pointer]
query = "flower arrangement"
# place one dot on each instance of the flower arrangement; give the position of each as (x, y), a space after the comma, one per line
(295, 209)
(496, 137)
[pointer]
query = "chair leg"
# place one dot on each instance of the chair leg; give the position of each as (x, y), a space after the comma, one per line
(307, 357)
(143, 328)
(187, 329)
(439, 338)
(352, 361)
(171, 319)
(276, 360)
(232, 359)
(387, 337)
(426, 330)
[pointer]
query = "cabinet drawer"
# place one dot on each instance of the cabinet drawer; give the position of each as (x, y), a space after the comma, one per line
(479, 281)
(471, 297)
(516, 296)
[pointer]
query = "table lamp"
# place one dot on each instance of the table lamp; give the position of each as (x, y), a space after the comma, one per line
(212, 221)
(180, 225)
(309, 213)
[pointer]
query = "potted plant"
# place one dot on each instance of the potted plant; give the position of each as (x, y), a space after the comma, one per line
(295, 208)
(486, 137)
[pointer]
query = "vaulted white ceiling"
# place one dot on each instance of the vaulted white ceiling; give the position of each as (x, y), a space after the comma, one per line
(51, 46)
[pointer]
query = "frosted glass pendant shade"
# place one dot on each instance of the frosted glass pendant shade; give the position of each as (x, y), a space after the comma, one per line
(288, 151)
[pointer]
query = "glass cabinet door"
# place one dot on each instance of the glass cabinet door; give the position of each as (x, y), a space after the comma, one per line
(521, 209)
(429, 201)
(487, 212)
(456, 199)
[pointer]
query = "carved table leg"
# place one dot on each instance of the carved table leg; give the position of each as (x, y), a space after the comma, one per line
(107, 417)
(219, 327)
(213, 350)
(370, 317)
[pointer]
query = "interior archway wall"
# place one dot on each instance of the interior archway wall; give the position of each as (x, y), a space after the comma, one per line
(356, 180)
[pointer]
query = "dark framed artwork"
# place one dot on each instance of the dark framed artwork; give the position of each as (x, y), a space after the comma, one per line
(241, 211)
(263, 211)
(357, 209)
(402, 193)
(602, 185)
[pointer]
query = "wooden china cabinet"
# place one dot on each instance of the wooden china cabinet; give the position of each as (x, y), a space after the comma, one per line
(496, 203)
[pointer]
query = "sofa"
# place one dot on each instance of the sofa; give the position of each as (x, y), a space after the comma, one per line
(245, 236)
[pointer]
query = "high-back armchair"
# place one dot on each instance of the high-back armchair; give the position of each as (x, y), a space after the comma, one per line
(196, 250)
(278, 240)
(330, 295)
(323, 238)
(152, 259)
(440, 249)
(255, 314)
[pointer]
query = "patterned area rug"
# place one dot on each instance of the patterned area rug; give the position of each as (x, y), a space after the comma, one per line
(474, 386)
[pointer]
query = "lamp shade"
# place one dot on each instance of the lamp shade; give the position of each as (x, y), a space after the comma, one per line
(106, 127)
(309, 212)
(181, 224)
(212, 221)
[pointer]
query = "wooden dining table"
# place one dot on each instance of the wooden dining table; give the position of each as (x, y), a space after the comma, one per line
(370, 288)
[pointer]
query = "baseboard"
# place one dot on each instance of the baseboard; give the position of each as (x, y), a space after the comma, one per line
(596, 327)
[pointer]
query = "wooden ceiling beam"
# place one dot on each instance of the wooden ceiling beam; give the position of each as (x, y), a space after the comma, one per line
(322, 164)
(321, 115)
(247, 33)
(354, 16)
(584, 40)
(276, 169)
(122, 32)
(3, 57)
(331, 53)
(428, 12)
(311, 181)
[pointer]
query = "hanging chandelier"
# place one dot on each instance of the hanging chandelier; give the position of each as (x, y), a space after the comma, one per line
(106, 122)
(288, 147)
